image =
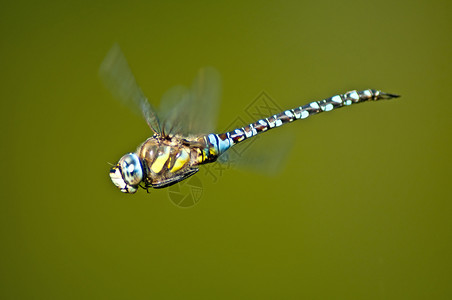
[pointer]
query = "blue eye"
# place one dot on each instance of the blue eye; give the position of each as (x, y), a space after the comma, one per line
(131, 170)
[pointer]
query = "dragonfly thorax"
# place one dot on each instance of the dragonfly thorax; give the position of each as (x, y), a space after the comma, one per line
(167, 160)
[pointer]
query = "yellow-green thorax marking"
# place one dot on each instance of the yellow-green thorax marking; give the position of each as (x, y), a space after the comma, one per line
(166, 160)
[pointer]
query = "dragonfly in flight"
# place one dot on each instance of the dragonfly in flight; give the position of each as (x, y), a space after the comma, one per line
(178, 145)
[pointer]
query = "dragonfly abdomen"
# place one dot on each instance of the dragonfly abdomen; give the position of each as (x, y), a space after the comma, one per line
(222, 142)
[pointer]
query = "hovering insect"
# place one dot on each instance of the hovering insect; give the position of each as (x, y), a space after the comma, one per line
(177, 147)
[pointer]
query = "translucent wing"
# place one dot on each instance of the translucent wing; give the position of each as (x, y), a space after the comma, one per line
(192, 111)
(118, 78)
(265, 153)
(205, 93)
(174, 110)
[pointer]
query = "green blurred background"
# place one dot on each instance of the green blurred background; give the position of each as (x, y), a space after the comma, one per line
(362, 209)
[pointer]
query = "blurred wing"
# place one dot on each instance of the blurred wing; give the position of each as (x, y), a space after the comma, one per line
(264, 154)
(118, 78)
(193, 111)
(205, 93)
(174, 110)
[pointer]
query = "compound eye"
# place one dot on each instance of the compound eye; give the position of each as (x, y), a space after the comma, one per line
(131, 170)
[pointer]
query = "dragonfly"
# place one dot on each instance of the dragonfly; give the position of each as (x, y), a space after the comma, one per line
(176, 149)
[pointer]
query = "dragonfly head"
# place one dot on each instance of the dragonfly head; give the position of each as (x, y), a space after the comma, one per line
(127, 174)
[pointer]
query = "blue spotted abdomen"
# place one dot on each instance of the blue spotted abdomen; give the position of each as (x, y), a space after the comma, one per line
(222, 142)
